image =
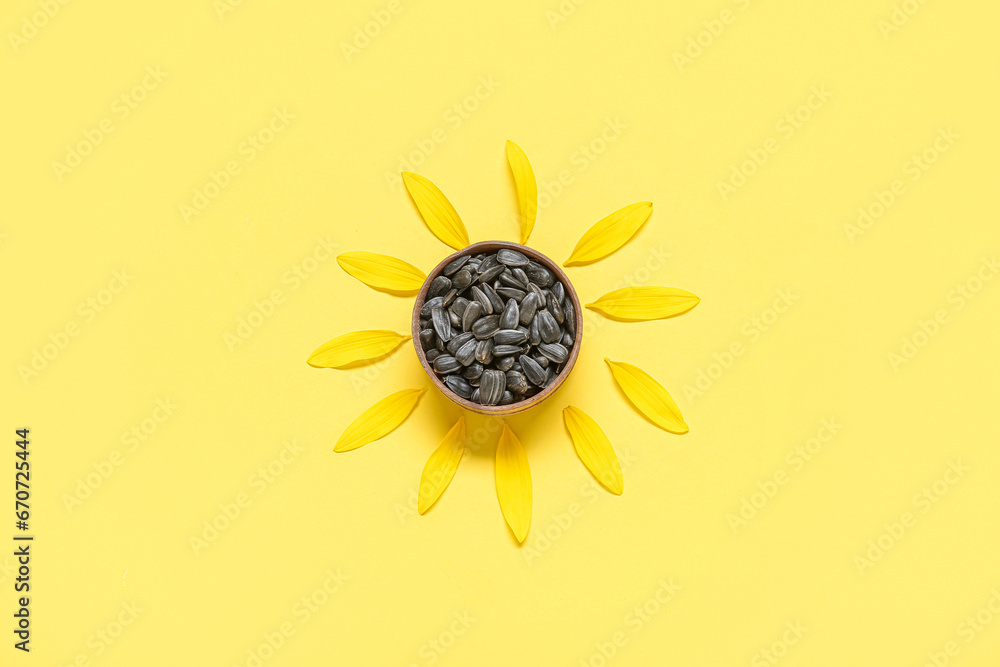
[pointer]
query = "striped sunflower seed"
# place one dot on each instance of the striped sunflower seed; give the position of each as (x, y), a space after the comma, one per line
(454, 265)
(492, 384)
(510, 257)
(510, 337)
(504, 363)
(458, 341)
(446, 364)
(482, 299)
(484, 351)
(439, 286)
(486, 326)
(472, 313)
(554, 351)
(511, 315)
(459, 386)
(528, 307)
(548, 328)
(441, 322)
(467, 353)
(532, 371)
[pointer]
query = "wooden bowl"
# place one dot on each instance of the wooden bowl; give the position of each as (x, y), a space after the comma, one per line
(520, 406)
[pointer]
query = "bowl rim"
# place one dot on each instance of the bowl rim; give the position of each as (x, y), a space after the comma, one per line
(520, 406)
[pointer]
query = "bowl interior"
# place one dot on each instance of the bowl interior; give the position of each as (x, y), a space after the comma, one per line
(520, 406)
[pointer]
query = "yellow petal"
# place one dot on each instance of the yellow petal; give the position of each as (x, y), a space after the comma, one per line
(610, 233)
(638, 304)
(527, 189)
(354, 347)
(648, 396)
(594, 449)
(441, 466)
(382, 272)
(379, 420)
(441, 217)
(513, 479)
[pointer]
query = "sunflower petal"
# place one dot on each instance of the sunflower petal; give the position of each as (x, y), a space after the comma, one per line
(594, 449)
(382, 272)
(610, 234)
(441, 466)
(638, 304)
(438, 213)
(513, 479)
(527, 189)
(648, 396)
(379, 420)
(354, 347)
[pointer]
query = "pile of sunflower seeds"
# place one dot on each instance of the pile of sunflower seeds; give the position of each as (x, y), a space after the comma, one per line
(497, 328)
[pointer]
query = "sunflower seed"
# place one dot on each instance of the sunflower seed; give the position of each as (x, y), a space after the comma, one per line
(458, 341)
(507, 398)
(506, 350)
(511, 257)
(516, 382)
(510, 315)
(475, 396)
(521, 276)
(492, 384)
(459, 305)
(510, 280)
(486, 326)
(554, 351)
(491, 273)
(555, 308)
(456, 321)
(446, 364)
(436, 302)
(441, 322)
(459, 386)
(538, 274)
(510, 293)
(528, 307)
(509, 337)
(548, 328)
(482, 300)
(484, 351)
(426, 338)
(449, 297)
(542, 360)
(467, 353)
(432, 354)
(472, 313)
(494, 298)
(488, 263)
(473, 371)
(504, 363)
(532, 371)
(566, 340)
(534, 337)
(569, 317)
(439, 286)
(454, 265)
(462, 279)
(558, 290)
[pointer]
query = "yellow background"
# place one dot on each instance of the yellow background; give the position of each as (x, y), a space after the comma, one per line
(595, 94)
